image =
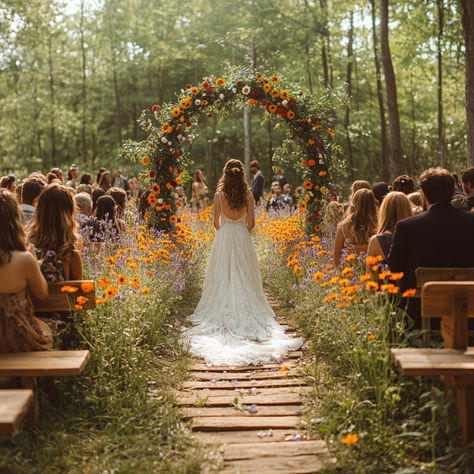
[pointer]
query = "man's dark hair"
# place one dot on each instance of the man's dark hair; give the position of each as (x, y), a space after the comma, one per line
(255, 164)
(437, 185)
(32, 188)
(456, 178)
(403, 184)
(380, 190)
(467, 176)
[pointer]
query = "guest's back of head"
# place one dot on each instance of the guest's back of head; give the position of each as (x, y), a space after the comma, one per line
(12, 236)
(106, 208)
(360, 184)
(362, 216)
(31, 189)
(395, 207)
(105, 181)
(83, 203)
(96, 194)
(86, 178)
(437, 185)
(404, 184)
(120, 198)
(85, 188)
(380, 190)
(460, 201)
(53, 226)
(8, 182)
(415, 199)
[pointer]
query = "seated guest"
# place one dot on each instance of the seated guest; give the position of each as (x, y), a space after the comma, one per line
(84, 207)
(96, 194)
(51, 178)
(274, 201)
(120, 198)
(8, 182)
(30, 191)
(20, 330)
(18, 191)
(356, 185)
(133, 189)
(380, 190)
(86, 178)
(105, 181)
(332, 216)
(99, 174)
(459, 201)
(58, 173)
(120, 181)
(416, 201)
(358, 226)
(107, 226)
(72, 176)
(404, 184)
(53, 233)
(467, 179)
(458, 188)
(280, 177)
(395, 207)
(287, 198)
(440, 237)
(85, 188)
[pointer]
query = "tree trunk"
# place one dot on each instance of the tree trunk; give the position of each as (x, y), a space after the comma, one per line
(308, 65)
(84, 89)
(467, 16)
(396, 162)
(440, 83)
(210, 151)
(118, 107)
(52, 125)
(247, 122)
(270, 145)
(349, 92)
(383, 123)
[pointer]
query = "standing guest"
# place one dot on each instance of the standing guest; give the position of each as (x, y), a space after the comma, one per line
(86, 178)
(8, 182)
(395, 207)
(440, 237)
(467, 179)
(20, 275)
(85, 188)
(182, 200)
(120, 198)
(59, 174)
(404, 184)
(258, 182)
(96, 194)
(275, 201)
(120, 181)
(199, 192)
(356, 185)
(287, 198)
(105, 181)
(31, 189)
(380, 190)
(457, 187)
(280, 177)
(72, 176)
(53, 233)
(99, 174)
(358, 226)
(132, 191)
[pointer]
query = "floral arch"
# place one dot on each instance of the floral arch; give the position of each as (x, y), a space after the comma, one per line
(165, 153)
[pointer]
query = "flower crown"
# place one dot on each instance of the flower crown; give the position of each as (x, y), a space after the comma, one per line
(234, 170)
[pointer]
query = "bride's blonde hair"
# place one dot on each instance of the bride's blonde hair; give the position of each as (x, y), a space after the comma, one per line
(234, 185)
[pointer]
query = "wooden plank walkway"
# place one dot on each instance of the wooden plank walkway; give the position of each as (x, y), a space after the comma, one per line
(253, 416)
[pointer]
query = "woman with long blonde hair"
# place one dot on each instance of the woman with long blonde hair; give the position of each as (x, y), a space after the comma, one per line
(358, 225)
(234, 324)
(395, 207)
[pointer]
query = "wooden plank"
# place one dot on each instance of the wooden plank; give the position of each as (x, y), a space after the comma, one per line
(278, 410)
(58, 300)
(289, 355)
(234, 452)
(247, 436)
(14, 405)
(413, 361)
(436, 297)
(426, 274)
(243, 391)
(277, 399)
(209, 423)
(220, 384)
(254, 375)
(43, 363)
(276, 465)
(201, 367)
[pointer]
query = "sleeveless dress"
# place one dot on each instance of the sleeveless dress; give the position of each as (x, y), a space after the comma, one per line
(234, 324)
(20, 329)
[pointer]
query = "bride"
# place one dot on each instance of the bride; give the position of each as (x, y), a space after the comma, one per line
(234, 324)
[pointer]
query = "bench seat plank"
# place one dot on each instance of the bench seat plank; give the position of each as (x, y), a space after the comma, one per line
(43, 363)
(413, 361)
(58, 300)
(14, 405)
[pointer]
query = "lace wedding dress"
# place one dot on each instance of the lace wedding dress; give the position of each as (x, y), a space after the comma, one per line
(234, 324)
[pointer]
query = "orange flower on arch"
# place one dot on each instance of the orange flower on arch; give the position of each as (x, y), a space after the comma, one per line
(272, 108)
(311, 162)
(290, 115)
(308, 184)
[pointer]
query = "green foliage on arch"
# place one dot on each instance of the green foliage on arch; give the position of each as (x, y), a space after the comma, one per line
(165, 153)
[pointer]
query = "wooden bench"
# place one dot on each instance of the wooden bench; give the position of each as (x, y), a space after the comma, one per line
(428, 274)
(28, 366)
(453, 302)
(14, 405)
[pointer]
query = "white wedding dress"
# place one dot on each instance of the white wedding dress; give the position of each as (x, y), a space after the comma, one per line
(234, 324)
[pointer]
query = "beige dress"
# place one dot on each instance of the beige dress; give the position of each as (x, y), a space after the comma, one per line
(20, 329)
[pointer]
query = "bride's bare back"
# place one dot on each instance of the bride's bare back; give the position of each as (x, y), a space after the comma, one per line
(221, 205)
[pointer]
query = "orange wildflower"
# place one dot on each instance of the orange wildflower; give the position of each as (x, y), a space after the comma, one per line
(349, 439)
(87, 286)
(409, 293)
(69, 289)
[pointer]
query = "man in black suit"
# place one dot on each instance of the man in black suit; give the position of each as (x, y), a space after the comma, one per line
(467, 179)
(439, 237)
(257, 182)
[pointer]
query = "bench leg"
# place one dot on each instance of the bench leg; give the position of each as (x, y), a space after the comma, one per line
(454, 326)
(465, 406)
(32, 416)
